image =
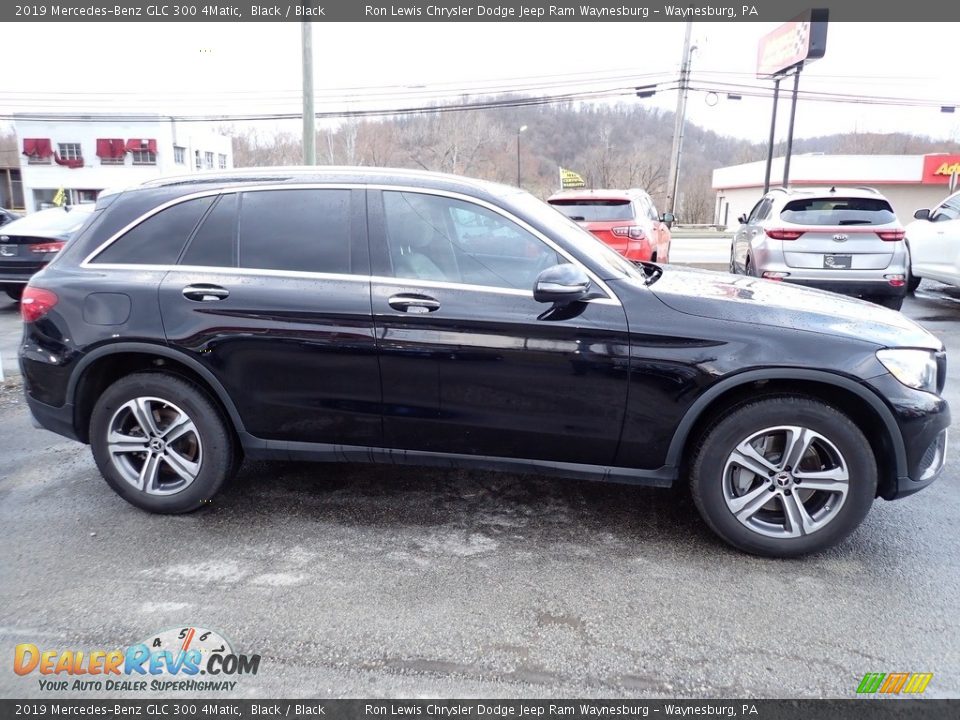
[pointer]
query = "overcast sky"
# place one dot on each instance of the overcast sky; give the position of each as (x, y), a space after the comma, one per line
(181, 68)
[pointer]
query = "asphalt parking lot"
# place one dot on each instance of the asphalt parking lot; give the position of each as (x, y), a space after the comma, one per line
(358, 581)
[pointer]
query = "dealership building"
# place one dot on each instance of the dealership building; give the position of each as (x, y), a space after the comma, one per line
(83, 154)
(909, 182)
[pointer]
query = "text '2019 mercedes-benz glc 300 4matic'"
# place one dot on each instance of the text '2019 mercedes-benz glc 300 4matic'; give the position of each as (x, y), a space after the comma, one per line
(343, 314)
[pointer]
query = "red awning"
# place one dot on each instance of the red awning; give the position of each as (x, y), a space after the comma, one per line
(110, 148)
(72, 164)
(37, 147)
(142, 144)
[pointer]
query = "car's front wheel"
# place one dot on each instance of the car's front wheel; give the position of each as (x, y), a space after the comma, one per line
(783, 476)
(161, 443)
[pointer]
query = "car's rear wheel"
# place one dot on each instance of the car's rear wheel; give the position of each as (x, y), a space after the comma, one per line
(15, 292)
(783, 476)
(161, 443)
(894, 302)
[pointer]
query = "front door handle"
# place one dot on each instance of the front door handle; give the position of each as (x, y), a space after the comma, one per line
(203, 292)
(414, 303)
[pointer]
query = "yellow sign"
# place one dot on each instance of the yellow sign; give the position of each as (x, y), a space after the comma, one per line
(60, 197)
(570, 179)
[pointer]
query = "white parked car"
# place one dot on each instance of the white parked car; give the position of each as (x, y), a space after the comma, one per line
(934, 242)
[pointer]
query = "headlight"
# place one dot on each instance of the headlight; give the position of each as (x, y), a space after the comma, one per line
(914, 368)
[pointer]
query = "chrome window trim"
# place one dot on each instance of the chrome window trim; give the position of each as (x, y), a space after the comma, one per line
(341, 277)
(88, 261)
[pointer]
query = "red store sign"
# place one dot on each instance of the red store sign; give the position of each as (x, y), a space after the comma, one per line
(937, 169)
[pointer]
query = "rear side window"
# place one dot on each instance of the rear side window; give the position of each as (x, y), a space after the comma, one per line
(838, 211)
(160, 238)
(590, 210)
(304, 230)
(215, 242)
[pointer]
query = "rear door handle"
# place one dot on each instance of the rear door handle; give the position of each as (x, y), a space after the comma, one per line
(414, 303)
(205, 293)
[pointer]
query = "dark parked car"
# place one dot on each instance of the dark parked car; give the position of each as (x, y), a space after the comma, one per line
(359, 315)
(27, 244)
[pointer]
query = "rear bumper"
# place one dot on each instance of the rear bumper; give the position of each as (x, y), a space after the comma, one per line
(851, 286)
(55, 419)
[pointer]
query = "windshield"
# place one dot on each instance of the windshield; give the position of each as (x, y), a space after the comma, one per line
(54, 223)
(586, 244)
(838, 211)
(594, 209)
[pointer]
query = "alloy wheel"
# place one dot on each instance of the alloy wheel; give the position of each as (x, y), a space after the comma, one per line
(154, 445)
(785, 481)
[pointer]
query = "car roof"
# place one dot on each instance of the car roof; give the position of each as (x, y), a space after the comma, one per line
(829, 191)
(330, 174)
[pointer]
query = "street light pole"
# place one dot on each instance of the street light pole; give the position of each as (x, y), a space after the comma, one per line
(520, 130)
(309, 118)
(674, 179)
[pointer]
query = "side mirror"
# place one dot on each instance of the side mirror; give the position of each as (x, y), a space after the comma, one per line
(742, 219)
(668, 218)
(922, 214)
(561, 285)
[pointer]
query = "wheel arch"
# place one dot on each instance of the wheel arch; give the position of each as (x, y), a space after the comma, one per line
(863, 406)
(108, 363)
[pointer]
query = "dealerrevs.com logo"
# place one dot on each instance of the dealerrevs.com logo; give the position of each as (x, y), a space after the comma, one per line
(171, 660)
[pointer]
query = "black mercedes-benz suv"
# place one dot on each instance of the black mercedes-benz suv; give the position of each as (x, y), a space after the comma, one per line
(390, 316)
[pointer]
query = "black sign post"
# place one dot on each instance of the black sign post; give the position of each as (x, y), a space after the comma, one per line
(790, 47)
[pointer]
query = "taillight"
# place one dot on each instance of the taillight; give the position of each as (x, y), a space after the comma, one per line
(896, 280)
(36, 302)
(891, 235)
(631, 231)
(50, 247)
(775, 275)
(784, 234)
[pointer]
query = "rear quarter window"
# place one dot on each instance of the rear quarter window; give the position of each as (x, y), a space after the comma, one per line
(838, 211)
(160, 238)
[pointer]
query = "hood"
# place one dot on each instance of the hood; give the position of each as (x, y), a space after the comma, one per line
(738, 298)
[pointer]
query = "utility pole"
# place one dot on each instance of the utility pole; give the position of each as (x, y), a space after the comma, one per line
(674, 179)
(309, 117)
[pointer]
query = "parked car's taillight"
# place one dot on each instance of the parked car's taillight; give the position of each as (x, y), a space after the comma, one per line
(631, 231)
(784, 234)
(36, 302)
(891, 235)
(45, 248)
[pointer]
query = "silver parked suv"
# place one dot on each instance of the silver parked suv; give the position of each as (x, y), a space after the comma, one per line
(847, 240)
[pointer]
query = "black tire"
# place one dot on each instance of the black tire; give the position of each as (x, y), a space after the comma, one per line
(15, 292)
(894, 302)
(217, 457)
(733, 264)
(708, 475)
(913, 282)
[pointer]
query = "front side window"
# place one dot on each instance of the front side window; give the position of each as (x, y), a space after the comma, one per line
(296, 230)
(431, 237)
(950, 210)
(160, 238)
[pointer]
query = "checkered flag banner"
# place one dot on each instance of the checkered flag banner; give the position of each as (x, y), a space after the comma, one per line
(569, 180)
(802, 38)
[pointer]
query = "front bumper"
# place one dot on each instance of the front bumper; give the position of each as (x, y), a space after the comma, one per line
(923, 420)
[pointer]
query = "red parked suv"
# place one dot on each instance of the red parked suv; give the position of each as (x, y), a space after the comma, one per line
(626, 220)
